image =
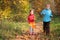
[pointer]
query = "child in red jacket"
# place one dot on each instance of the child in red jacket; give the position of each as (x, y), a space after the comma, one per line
(31, 21)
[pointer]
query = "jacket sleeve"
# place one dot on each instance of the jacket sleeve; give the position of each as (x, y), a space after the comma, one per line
(43, 12)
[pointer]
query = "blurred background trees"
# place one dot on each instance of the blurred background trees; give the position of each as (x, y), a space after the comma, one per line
(15, 9)
(57, 5)
(18, 10)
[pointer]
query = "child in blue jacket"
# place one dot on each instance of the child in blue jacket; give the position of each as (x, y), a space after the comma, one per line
(47, 14)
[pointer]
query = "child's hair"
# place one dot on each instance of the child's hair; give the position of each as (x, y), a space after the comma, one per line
(47, 4)
(31, 10)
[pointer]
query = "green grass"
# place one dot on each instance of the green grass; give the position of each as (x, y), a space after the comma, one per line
(10, 29)
(55, 28)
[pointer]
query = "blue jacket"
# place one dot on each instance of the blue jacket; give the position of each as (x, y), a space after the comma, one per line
(47, 14)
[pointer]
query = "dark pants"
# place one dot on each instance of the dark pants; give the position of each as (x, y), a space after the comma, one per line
(46, 27)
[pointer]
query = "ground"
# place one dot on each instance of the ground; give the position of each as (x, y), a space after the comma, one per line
(38, 36)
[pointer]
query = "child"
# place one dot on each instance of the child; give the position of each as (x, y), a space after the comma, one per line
(47, 14)
(31, 21)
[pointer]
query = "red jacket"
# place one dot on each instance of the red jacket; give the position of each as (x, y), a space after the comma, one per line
(31, 18)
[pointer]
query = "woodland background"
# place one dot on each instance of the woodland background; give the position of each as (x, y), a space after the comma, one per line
(14, 13)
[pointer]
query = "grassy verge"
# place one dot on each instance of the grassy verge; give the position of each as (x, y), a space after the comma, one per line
(10, 29)
(55, 28)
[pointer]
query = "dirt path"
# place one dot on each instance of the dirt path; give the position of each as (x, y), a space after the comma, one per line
(38, 35)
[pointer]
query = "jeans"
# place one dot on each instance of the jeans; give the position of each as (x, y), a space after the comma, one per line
(46, 27)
